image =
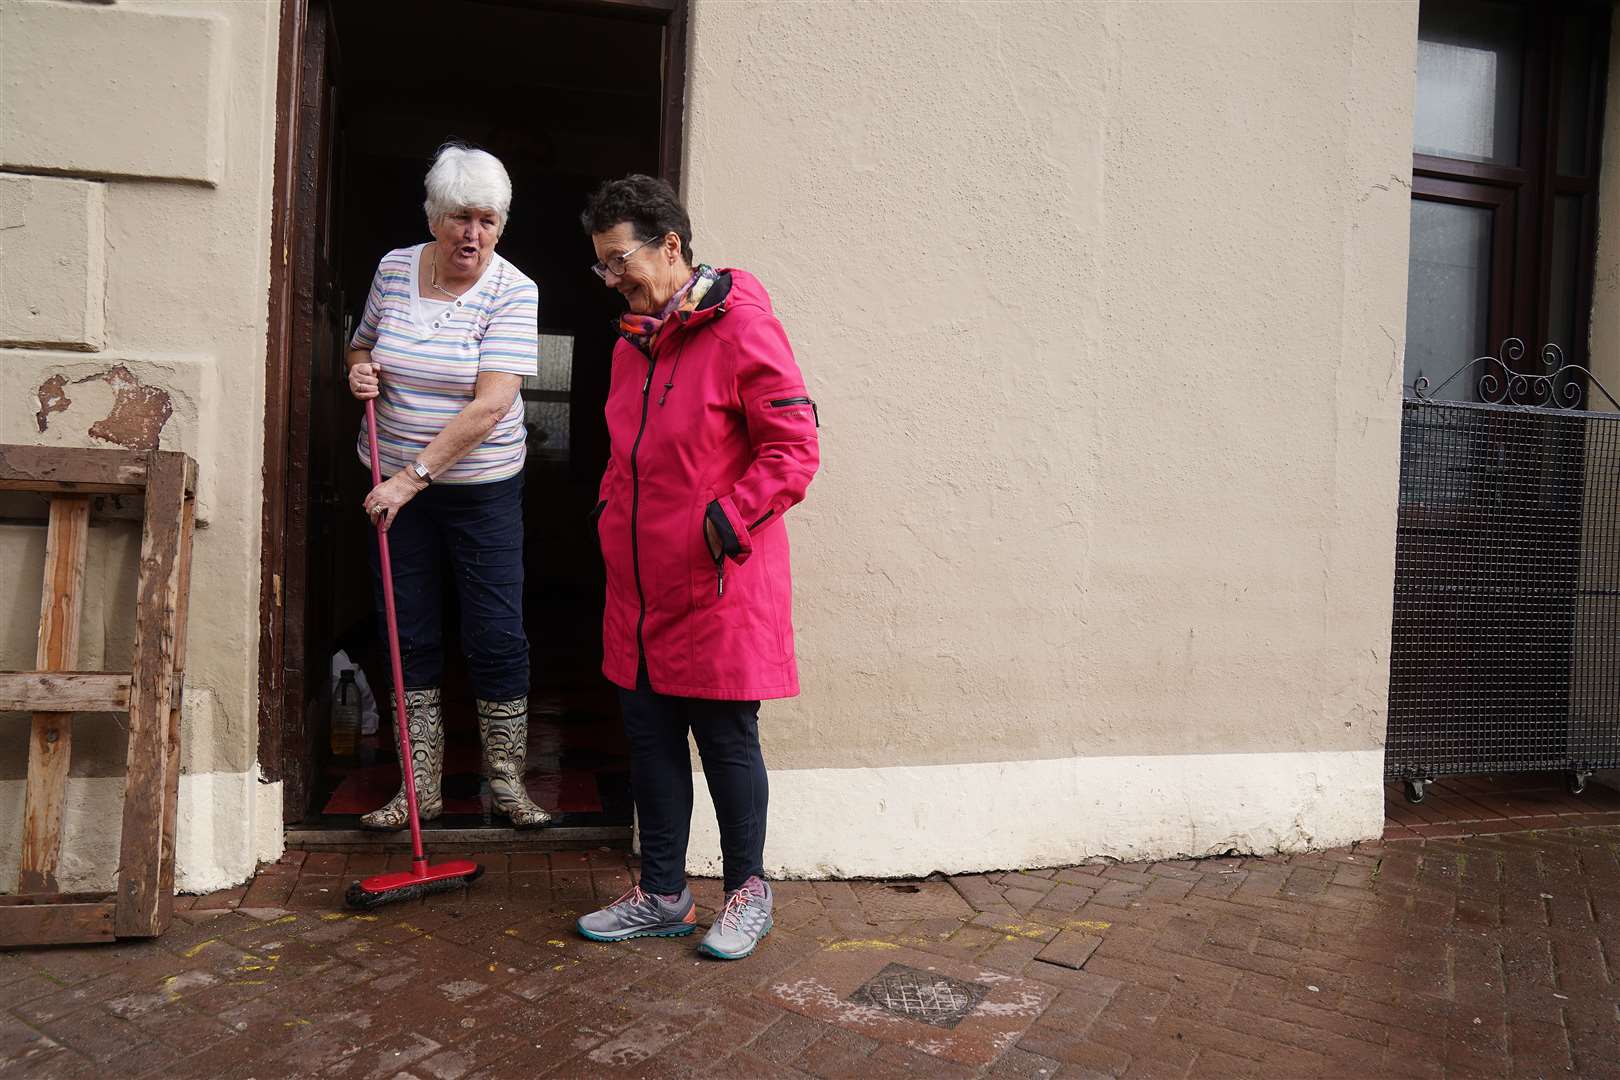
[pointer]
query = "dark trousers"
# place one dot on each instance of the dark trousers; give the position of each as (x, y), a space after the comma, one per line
(478, 530)
(727, 734)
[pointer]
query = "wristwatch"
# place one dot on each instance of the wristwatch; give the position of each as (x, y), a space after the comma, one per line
(420, 471)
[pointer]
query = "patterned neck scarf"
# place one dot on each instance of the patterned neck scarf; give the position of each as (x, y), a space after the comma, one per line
(642, 330)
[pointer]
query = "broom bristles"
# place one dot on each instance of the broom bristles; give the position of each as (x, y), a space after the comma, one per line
(361, 897)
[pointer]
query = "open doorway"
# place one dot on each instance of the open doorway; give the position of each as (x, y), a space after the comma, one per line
(566, 94)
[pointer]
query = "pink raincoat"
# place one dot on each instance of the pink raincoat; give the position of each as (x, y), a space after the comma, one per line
(716, 425)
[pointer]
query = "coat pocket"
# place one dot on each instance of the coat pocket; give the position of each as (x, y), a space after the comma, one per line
(709, 577)
(789, 402)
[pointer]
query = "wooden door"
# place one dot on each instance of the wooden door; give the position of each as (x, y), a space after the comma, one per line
(316, 377)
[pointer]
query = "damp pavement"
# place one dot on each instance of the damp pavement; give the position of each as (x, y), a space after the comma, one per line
(1492, 955)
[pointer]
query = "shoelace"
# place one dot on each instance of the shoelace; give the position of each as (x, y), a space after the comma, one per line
(735, 903)
(635, 897)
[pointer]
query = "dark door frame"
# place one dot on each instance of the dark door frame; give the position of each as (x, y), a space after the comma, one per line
(281, 599)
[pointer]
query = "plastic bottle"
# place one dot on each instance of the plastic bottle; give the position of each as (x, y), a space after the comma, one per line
(345, 715)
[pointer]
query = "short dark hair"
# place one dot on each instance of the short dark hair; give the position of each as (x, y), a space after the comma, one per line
(649, 204)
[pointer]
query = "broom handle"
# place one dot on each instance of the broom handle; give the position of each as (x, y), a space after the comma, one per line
(406, 765)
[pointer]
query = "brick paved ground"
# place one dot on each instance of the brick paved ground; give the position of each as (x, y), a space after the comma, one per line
(1492, 956)
(1470, 805)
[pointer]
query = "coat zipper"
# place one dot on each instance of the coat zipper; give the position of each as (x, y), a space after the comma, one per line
(635, 496)
(781, 403)
(635, 506)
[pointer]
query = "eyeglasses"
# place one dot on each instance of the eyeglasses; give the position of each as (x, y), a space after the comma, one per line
(614, 264)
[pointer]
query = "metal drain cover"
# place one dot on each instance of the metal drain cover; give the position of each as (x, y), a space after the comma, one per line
(921, 995)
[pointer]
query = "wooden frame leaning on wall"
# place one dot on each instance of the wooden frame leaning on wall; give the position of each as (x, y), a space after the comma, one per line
(150, 692)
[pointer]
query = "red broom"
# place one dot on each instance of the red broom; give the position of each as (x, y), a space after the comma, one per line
(422, 880)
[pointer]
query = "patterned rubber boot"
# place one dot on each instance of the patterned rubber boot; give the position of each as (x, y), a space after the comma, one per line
(503, 727)
(425, 723)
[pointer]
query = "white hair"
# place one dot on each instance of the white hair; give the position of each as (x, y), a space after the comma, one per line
(463, 178)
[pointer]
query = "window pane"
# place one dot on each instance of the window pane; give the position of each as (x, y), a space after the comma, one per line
(546, 398)
(1447, 293)
(1563, 273)
(1574, 95)
(1469, 76)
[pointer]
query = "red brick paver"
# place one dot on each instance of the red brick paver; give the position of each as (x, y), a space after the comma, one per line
(1493, 955)
(1473, 805)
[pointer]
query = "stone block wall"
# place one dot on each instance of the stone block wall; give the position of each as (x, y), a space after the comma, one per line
(136, 163)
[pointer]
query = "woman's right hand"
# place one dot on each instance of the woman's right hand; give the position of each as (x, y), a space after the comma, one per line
(363, 380)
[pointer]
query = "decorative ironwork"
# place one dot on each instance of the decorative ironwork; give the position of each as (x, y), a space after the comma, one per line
(1557, 386)
(921, 995)
(1507, 592)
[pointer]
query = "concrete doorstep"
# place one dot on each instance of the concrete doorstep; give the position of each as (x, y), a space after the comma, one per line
(1490, 955)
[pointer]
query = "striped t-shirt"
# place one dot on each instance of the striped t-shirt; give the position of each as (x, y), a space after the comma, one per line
(431, 362)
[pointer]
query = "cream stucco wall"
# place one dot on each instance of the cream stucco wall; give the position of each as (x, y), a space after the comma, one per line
(1103, 304)
(135, 171)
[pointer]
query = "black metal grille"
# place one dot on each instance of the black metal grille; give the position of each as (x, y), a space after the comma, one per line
(1506, 637)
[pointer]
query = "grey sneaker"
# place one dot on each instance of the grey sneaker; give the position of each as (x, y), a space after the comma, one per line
(639, 914)
(746, 920)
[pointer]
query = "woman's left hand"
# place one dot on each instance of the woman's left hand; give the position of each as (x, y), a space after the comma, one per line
(384, 502)
(712, 535)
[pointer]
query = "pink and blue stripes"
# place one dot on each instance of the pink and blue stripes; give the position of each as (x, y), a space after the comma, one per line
(430, 370)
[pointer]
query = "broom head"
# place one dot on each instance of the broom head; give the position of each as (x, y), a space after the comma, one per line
(424, 880)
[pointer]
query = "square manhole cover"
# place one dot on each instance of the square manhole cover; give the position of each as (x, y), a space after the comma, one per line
(921, 995)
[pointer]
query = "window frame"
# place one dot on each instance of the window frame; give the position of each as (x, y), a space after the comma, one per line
(1523, 198)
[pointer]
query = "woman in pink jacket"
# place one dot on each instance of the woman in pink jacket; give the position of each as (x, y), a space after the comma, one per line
(713, 440)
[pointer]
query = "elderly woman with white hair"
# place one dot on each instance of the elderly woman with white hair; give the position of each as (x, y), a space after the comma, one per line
(449, 331)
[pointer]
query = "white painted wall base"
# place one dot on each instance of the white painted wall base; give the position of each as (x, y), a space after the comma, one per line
(909, 821)
(901, 821)
(226, 825)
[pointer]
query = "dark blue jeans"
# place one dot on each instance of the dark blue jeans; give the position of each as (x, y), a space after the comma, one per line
(478, 529)
(727, 734)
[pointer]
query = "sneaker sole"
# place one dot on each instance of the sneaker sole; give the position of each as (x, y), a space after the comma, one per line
(676, 931)
(705, 947)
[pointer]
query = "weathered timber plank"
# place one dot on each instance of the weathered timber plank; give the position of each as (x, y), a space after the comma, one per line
(157, 592)
(62, 692)
(171, 779)
(55, 923)
(67, 541)
(34, 899)
(50, 746)
(68, 470)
